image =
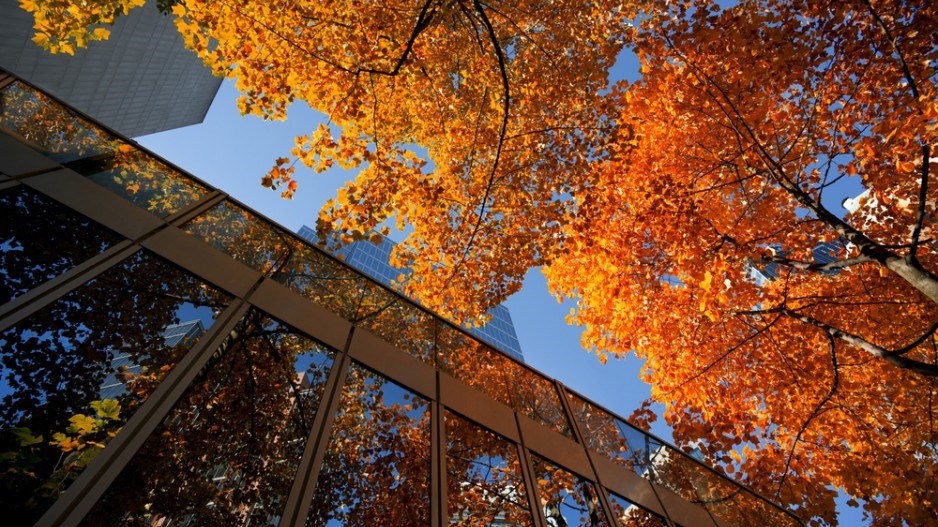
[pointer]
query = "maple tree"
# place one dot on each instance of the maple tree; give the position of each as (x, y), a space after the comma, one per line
(652, 203)
(502, 95)
(745, 122)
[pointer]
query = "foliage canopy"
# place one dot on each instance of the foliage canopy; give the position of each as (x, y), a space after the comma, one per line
(651, 204)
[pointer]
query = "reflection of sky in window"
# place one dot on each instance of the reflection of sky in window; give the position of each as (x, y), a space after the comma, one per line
(566, 511)
(490, 473)
(111, 387)
(627, 513)
(313, 360)
(379, 393)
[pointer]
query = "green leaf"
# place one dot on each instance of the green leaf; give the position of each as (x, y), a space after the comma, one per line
(82, 424)
(107, 409)
(25, 436)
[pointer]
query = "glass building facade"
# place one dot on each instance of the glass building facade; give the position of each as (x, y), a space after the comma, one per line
(311, 394)
(374, 260)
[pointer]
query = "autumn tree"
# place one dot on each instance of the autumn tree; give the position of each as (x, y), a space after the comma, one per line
(504, 96)
(747, 120)
(652, 203)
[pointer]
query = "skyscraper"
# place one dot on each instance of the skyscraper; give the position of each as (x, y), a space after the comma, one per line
(140, 81)
(374, 260)
(123, 366)
(315, 396)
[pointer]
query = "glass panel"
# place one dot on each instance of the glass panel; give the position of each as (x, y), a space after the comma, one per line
(40, 239)
(64, 383)
(737, 506)
(627, 514)
(397, 321)
(687, 478)
(377, 467)
(567, 500)
(500, 378)
(50, 127)
(142, 179)
(245, 237)
(610, 436)
(483, 477)
(326, 282)
(227, 454)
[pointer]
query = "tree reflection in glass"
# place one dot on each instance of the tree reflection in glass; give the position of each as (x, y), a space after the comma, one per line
(40, 239)
(501, 378)
(328, 283)
(627, 514)
(377, 466)
(397, 321)
(49, 127)
(243, 236)
(483, 478)
(228, 453)
(141, 179)
(65, 383)
(611, 436)
(567, 500)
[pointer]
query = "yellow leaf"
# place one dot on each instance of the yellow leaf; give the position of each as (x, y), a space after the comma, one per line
(41, 39)
(82, 424)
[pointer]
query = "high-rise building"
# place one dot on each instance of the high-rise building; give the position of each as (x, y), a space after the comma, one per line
(822, 253)
(315, 396)
(122, 366)
(374, 260)
(140, 81)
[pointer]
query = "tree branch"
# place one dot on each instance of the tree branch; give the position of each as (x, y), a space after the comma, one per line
(908, 269)
(894, 357)
(806, 266)
(922, 199)
(835, 382)
(917, 342)
(506, 105)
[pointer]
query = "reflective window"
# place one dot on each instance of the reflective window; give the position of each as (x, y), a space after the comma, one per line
(326, 282)
(63, 394)
(40, 239)
(50, 127)
(500, 378)
(692, 481)
(377, 466)
(611, 436)
(741, 508)
(627, 514)
(243, 236)
(566, 500)
(141, 179)
(227, 454)
(483, 477)
(397, 321)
